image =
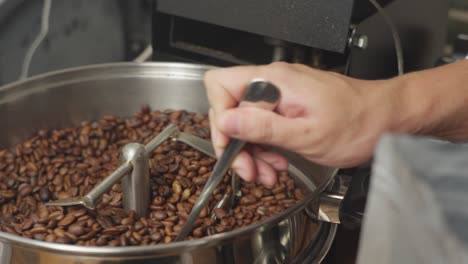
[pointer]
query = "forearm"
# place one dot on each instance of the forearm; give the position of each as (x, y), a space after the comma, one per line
(432, 102)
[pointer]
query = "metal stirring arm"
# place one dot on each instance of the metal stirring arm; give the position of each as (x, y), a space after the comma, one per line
(90, 199)
(136, 162)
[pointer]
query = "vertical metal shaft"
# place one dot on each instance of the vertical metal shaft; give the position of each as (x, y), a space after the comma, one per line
(136, 186)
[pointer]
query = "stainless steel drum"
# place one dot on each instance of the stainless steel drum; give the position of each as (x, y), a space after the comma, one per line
(65, 98)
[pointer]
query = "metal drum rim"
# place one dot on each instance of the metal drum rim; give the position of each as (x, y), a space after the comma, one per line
(153, 69)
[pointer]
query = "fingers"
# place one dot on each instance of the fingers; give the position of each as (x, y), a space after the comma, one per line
(225, 87)
(266, 175)
(258, 165)
(254, 169)
(244, 165)
(261, 167)
(218, 139)
(277, 161)
(260, 126)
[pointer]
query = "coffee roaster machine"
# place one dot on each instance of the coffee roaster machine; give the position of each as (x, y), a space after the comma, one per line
(361, 38)
(367, 39)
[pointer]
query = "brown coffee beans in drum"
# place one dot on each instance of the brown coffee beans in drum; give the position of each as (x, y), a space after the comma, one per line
(69, 162)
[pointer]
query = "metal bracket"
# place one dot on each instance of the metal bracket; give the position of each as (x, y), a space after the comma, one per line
(326, 207)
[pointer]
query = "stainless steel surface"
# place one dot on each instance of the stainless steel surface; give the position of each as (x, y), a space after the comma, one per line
(200, 144)
(326, 207)
(259, 93)
(65, 98)
(329, 205)
(136, 186)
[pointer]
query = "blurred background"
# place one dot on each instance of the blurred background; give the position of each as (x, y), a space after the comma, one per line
(87, 32)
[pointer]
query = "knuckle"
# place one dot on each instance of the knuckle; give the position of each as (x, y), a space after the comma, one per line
(208, 77)
(278, 72)
(280, 68)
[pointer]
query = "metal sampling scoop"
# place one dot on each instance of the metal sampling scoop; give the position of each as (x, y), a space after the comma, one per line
(260, 94)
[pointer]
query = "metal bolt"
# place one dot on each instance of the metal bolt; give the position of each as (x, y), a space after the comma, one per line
(360, 41)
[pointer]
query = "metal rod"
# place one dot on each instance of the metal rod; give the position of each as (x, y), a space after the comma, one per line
(92, 198)
(95, 194)
(195, 142)
(160, 138)
(136, 188)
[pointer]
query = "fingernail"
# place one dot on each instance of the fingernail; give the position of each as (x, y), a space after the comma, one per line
(219, 143)
(268, 185)
(241, 173)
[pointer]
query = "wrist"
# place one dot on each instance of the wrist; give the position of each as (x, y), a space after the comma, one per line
(390, 106)
(405, 105)
(414, 105)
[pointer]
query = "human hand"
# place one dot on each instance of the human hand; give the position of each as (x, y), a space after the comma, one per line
(328, 118)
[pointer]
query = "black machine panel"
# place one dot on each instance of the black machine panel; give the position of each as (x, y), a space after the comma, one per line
(323, 34)
(322, 24)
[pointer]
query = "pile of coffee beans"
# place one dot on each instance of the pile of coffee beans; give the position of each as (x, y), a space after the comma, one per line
(66, 163)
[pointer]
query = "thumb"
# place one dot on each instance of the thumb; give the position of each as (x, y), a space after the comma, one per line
(257, 125)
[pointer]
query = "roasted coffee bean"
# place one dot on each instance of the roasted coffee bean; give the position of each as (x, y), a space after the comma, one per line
(44, 194)
(199, 181)
(66, 163)
(101, 241)
(57, 215)
(167, 239)
(63, 195)
(67, 220)
(37, 230)
(248, 199)
(280, 196)
(261, 210)
(186, 194)
(25, 190)
(76, 229)
(27, 224)
(257, 192)
(298, 194)
(176, 187)
(7, 193)
(220, 213)
(63, 240)
(139, 225)
(50, 238)
(127, 221)
(78, 213)
(156, 236)
(158, 200)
